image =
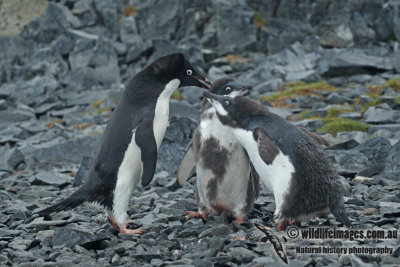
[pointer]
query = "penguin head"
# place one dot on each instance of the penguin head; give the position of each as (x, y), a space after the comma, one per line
(235, 111)
(175, 66)
(227, 86)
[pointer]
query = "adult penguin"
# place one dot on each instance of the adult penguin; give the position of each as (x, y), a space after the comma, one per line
(128, 149)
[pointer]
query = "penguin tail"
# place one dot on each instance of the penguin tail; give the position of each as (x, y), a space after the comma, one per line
(74, 200)
(340, 214)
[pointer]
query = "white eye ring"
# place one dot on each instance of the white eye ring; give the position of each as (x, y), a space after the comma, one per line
(189, 72)
(228, 89)
(226, 103)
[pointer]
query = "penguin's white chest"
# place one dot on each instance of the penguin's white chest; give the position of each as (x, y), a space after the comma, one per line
(161, 113)
(276, 176)
(130, 170)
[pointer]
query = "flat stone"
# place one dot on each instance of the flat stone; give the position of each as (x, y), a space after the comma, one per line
(47, 178)
(377, 115)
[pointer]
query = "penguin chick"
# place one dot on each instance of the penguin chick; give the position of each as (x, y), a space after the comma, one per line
(225, 183)
(290, 163)
(133, 135)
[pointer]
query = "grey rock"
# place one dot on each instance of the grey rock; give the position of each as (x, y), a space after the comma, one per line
(348, 140)
(192, 94)
(242, 255)
(359, 158)
(350, 115)
(107, 11)
(10, 158)
(13, 115)
(70, 237)
(346, 62)
(46, 28)
(392, 164)
(182, 109)
(378, 115)
(284, 113)
(166, 14)
(47, 178)
(362, 34)
(389, 209)
(177, 136)
(60, 150)
(215, 73)
(335, 98)
(93, 63)
(267, 86)
(236, 30)
(83, 172)
(341, 36)
(311, 125)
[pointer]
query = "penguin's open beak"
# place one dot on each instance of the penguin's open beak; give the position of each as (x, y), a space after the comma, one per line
(204, 82)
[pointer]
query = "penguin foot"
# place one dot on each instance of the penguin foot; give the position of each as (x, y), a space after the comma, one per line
(239, 220)
(284, 223)
(123, 230)
(192, 214)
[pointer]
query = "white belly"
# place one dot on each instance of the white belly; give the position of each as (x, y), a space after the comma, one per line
(232, 187)
(130, 170)
(276, 176)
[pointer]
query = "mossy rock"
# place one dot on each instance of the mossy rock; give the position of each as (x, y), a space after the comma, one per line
(259, 20)
(177, 95)
(294, 89)
(393, 83)
(335, 125)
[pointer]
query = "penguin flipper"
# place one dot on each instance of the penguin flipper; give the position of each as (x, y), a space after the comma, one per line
(145, 140)
(187, 165)
(266, 147)
(319, 139)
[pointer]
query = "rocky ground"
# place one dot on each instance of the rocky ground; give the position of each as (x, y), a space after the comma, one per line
(61, 76)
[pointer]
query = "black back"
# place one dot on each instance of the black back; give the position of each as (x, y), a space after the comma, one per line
(315, 184)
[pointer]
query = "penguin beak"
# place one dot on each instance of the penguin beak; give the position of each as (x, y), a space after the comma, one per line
(246, 90)
(211, 96)
(204, 82)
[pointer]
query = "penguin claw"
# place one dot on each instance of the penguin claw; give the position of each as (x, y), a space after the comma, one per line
(192, 214)
(139, 231)
(284, 223)
(239, 220)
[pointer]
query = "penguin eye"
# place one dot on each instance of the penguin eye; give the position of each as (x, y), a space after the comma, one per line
(189, 72)
(228, 89)
(226, 103)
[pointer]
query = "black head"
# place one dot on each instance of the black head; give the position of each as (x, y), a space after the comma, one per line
(235, 111)
(175, 66)
(227, 86)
